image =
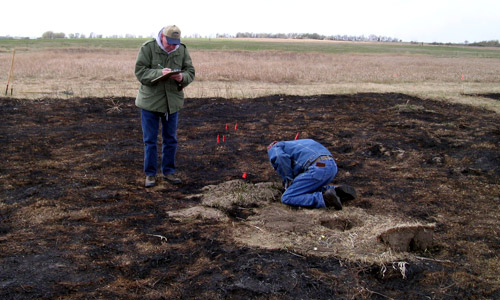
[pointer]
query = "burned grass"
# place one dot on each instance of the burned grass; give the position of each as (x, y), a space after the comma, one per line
(75, 221)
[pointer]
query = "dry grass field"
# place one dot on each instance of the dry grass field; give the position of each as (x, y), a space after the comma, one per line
(109, 72)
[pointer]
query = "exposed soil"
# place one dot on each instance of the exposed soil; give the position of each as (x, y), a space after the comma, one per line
(77, 223)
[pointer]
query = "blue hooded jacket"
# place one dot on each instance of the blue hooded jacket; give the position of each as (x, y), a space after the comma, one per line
(290, 158)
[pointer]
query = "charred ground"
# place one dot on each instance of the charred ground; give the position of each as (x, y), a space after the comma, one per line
(75, 221)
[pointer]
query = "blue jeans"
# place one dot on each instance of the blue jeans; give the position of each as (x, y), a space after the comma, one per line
(150, 122)
(307, 188)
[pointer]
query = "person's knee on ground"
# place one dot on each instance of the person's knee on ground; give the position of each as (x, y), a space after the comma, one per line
(287, 199)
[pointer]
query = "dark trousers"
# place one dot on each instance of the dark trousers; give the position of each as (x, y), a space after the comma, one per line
(150, 122)
(307, 188)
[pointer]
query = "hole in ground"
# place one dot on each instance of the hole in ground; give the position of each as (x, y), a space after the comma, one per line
(341, 224)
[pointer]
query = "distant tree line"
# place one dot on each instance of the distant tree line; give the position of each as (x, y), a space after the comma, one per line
(53, 35)
(8, 37)
(316, 36)
(92, 35)
(492, 43)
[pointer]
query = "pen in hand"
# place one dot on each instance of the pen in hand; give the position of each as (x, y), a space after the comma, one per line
(164, 70)
(176, 77)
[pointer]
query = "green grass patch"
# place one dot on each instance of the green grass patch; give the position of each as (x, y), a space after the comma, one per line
(342, 47)
(259, 45)
(7, 44)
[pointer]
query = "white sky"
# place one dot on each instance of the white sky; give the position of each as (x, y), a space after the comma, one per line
(409, 20)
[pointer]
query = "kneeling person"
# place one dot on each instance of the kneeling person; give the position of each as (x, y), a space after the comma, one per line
(306, 168)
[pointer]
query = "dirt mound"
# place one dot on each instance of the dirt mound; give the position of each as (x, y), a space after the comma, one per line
(413, 237)
(351, 234)
(76, 222)
(225, 200)
(237, 193)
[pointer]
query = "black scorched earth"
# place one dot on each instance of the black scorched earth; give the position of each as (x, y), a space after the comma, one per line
(76, 222)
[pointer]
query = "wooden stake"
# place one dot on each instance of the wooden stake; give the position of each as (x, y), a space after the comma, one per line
(11, 74)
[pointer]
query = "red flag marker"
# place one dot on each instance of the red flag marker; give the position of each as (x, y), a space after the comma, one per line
(297, 136)
(236, 126)
(223, 138)
(244, 176)
(227, 126)
(218, 139)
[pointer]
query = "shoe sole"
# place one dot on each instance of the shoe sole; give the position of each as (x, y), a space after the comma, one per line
(337, 204)
(333, 200)
(175, 182)
(345, 192)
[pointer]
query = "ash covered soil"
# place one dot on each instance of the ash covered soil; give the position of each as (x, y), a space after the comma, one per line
(77, 223)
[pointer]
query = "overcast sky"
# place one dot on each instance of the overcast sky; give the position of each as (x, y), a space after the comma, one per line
(410, 20)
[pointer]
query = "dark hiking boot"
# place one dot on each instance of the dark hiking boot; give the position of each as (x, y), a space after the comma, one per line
(331, 199)
(345, 192)
(172, 179)
(150, 181)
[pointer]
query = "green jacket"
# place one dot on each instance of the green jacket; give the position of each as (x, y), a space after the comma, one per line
(164, 96)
